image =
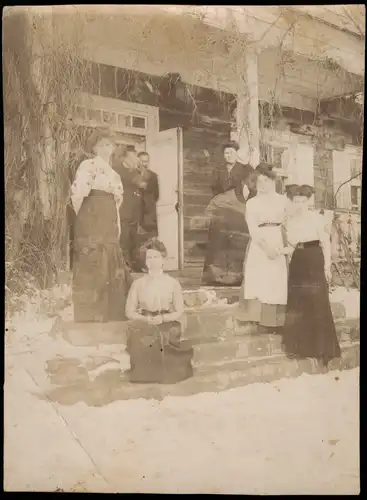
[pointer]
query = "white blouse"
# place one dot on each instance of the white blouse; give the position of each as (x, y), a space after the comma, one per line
(309, 226)
(96, 173)
(155, 293)
(264, 209)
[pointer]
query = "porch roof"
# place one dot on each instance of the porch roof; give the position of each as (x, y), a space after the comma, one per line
(332, 32)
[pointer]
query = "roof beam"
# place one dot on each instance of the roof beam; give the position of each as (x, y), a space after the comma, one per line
(285, 27)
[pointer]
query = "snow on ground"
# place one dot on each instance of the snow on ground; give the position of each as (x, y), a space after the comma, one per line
(294, 436)
(349, 298)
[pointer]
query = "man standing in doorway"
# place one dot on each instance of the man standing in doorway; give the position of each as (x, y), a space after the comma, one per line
(130, 212)
(225, 177)
(150, 196)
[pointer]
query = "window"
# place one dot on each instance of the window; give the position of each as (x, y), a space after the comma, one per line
(94, 115)
(356, 183)
(355, 167)
(347, 178)
(80, 112)
(123, 120)
(356, 196)
(139, 122)
(109, 118)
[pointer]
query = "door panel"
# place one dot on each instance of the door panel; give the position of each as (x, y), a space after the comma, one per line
(165, 151)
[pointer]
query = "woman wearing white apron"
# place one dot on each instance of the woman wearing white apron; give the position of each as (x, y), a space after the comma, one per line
(263, 296)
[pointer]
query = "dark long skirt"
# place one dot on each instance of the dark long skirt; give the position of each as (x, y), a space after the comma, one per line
(101, 280)
(228, 237)
(309, 330)
(157, 355)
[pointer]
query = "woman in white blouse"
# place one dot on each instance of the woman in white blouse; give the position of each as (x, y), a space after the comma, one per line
(100, 277)
(309, 329)
(263, 295)
(156, 307)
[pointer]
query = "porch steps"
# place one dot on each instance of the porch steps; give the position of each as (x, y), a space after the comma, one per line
(206, 379)
(223, 357)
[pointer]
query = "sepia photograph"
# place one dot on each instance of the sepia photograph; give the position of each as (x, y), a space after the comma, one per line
(183, 189)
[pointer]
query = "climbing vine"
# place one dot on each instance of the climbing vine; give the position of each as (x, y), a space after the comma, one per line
(45, 65)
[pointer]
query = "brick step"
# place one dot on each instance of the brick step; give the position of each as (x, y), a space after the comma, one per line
(207, 379)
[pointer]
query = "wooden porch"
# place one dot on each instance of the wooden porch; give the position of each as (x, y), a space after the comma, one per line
(268, 98)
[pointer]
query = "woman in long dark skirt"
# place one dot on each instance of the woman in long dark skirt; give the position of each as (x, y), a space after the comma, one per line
(309, 330)
(155, 306)
(228, 234)
(100, 277)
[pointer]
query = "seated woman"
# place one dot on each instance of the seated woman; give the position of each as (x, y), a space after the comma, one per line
(228, 233)
(309, 330)
(155, 306)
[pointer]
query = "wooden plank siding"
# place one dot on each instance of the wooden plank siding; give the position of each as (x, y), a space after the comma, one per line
(202, 152)
(206, 128)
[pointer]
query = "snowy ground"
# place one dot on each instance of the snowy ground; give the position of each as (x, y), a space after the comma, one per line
(294, 436)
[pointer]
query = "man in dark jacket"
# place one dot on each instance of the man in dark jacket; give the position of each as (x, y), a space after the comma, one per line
(130, 212)
(225, 177)
(150, 196)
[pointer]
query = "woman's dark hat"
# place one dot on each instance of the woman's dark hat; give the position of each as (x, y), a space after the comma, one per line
(96, 136)
(266, 169)
(293, 190)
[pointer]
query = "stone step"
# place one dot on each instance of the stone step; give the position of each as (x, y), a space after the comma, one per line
(251, 346)
(203, 327)
(206, 379)
(236, 348)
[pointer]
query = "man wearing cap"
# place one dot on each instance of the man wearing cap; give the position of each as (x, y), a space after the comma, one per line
(130, 213)
(225, 177)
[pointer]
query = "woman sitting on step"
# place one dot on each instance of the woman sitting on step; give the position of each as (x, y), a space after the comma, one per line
(155, 306)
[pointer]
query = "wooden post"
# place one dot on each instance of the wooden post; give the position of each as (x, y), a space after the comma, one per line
(248, 127)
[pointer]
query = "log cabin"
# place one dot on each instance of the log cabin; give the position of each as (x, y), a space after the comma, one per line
(180, 81)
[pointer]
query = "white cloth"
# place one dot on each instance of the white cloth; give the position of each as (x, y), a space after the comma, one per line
(309, 225)
(96, 173)
(265, 279)
(306, 226)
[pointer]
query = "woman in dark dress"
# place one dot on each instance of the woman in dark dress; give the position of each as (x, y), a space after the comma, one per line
(100, 278)
(155, 306)
(309, 330)
(228, 234)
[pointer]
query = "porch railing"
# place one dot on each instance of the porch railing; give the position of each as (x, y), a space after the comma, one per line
(346, 247)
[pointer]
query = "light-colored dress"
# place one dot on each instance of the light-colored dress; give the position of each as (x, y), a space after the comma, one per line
(265, 280)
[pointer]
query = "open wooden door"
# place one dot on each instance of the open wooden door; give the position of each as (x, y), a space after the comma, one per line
(165, 151)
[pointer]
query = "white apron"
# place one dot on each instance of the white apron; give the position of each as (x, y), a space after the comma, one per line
(265, 279)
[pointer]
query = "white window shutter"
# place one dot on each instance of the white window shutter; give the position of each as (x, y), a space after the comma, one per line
(289, 163)
(341, 179)
(304, 164)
